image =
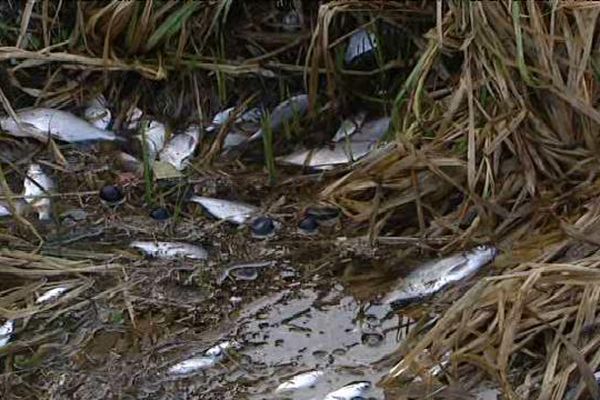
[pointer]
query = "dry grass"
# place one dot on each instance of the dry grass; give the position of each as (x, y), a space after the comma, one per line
(516, 135)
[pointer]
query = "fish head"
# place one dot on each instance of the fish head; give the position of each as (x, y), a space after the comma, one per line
(485, 252)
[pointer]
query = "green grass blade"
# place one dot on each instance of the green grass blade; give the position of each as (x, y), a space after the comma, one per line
(173, 24)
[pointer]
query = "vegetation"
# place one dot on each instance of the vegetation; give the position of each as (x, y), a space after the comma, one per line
(496, 113)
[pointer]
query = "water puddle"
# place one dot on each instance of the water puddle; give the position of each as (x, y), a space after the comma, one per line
(296, 331)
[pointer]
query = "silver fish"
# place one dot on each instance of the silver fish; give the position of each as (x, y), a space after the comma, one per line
(51, 294)
(4, 210)
(349, 391)
(434, 276)
(134, 118)
(37, 186)
(233, 139)
(210, 357)
(192, 365)
(220, 118)
(251, 266)
(6, 331)
(129, 162)
(218, 350)
(252, 117)
(40, 123)
(301, 381)
(349, 127)
(373, 130)
(326, 157)
(361, 42)
(285, 112)
(232, 211)
(170, 250)
(180, 148)
(97, 113)
(19, 205)
(155, 139)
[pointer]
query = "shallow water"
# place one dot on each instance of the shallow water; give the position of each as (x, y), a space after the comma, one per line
(294, 331)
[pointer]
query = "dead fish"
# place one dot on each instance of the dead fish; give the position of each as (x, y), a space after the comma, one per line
(350, 391)
(6, 331)
(218, 350)
(180, 148)
(301, 381)
(349, 127)
(19, 205)
(51, 294)
(434, 276)
(232, 211)
(40, 123)
(220, 118)
(210, 358)
(97, 113)
(285, 112)
(234, 139)
(235, 271)
(192, 365)
(170, 250)
(37, 186)
(129, 163)
(326, 157)
(134, 117)
(373, 130)
(361, 43)
(155, 136)
(251, 116)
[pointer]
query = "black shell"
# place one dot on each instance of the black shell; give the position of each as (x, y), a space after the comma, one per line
(262, 226)
(111, 194)
(308, 224)
(160, 214)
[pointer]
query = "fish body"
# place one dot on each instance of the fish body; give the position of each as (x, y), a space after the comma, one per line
(327, 157)
(220, 118)
(348, 392)
(234, 139)
(218, 350)
(4, 210)
(361, 42)
(170, 250)
(155, 137)
(37, 186)
(129, 163)
(19, 204)
(362, 141)
(192, 365)
(6, 331)
(250, 268)
(134, 116)
(40, 123)
(207, 360)
(372, 131)
(180, 148)
(434, 276)
(97, 113)
(284, 113)
(349, 127)
(51, 294)
(232, 211)
(301, 381)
